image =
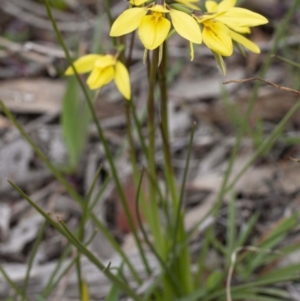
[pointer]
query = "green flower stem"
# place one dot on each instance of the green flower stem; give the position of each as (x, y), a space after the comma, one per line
(131, 44)
(98, 126)
(110, 18)
(139, 129)
(130, 136)
(171, 181)
(182, 263)
(153, 219)
(132, 153)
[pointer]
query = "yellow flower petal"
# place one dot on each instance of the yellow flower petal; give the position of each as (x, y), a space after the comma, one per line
(84, 64)
(244, 41)
(122, 80)
(216, 37)
(105, 61)
(237, 16)
(186, 26)
(153, 30)
(128, 21)
(241, 29)
(100, 77)
(211, 6)
(226, 4)
(159, 8)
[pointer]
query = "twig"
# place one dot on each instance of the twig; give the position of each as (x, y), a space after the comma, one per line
(264, 81)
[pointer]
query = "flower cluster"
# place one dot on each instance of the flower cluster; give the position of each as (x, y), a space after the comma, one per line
(221, 24)
(224, 23)
(219, 27)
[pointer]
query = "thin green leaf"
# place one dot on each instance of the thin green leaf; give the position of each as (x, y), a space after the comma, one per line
(48, 287)
(32, 255)
(17, 290)
(249, 296)
(286, 60)
(214, 280)
(247, 230)
(114, 293)
(201, 261)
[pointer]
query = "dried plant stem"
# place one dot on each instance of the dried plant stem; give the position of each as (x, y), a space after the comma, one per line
(264, 81)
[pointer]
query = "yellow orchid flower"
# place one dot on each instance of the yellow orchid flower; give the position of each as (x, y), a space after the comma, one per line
(104, 68)
(153, 27)
(224, 23)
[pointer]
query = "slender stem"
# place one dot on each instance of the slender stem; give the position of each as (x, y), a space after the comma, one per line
(13, 285)
(80, 235)
(50, 284)
(182, 263)
(170, 177)
(128, 61)
(32, 256)
(179, 209)
(110, 18)
(130, 136)
(139, 129)
(154, 221)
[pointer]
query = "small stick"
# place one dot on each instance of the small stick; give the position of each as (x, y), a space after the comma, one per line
(264, 81)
